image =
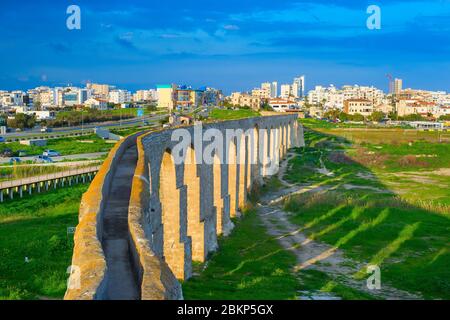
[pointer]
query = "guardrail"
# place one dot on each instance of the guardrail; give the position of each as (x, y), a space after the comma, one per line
(38, 183)
(51, 176)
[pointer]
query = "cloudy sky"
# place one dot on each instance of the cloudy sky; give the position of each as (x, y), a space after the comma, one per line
(230, 44)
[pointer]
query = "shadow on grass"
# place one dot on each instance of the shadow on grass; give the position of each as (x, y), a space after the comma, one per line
(357, 213)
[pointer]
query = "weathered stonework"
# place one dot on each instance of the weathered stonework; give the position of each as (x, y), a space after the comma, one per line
(177, 210)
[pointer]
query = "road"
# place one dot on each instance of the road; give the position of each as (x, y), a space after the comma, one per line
(63, 130)
(86, 156)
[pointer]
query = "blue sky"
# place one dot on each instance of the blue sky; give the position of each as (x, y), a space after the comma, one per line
(233, 44)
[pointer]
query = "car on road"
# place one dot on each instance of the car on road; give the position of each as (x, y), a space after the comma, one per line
(51, 153)
(46, 129)
(43, 159)
(15, 160)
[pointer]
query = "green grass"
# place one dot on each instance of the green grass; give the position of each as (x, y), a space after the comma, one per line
(36, 227)
(124, 132)
(66, 146)
(243, 269)
(229, 114)
(402, 225)
(314, 281)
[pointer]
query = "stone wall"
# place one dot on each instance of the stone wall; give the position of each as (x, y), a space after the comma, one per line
(87, 273)
(177, 210)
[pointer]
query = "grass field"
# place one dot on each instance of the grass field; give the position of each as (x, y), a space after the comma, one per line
(249, 265)
(66, 146)
(229, 114)
(35, 228)
(385, 204)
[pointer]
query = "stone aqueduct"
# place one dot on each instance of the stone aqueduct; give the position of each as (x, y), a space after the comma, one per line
(145, 218)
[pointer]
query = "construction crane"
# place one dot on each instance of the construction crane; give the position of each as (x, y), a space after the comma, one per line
(391, 82)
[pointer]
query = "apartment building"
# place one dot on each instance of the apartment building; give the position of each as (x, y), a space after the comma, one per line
(119, 96)
(96, 103)
(286, 91)
(358, 106)
(246, 100)
(298, 87)
(262, 93)
(99, 90)
(410, 106)
(145, 95)
(333, 98)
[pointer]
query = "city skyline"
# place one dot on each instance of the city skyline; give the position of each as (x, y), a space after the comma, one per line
(136, 45)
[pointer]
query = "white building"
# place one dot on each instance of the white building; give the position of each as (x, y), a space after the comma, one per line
(14, 98)
(42, 115)
(298, 87)
(145, 95)
(271, 89)
(96, 103)
(358, 106)
(333, 98)
(119, 96)
(285, 91)
(282, 105)
(274, 89)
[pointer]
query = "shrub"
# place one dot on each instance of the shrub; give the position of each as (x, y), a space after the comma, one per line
(412, 161)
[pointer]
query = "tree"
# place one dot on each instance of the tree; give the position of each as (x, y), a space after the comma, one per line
(332, 114)
(377, 116)
(344, 116)
(22, 121)
(412, 117)
(266, 107)
(3, 119)
(445, 117)
(358, 117)
(393, 115)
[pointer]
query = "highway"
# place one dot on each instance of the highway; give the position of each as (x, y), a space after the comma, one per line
(64, 130)
(73, 157)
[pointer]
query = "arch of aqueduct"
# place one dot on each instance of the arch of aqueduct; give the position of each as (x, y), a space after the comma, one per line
(169, 214)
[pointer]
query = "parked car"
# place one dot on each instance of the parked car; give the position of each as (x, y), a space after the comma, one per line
(15, 160)
(6, 153)
(51, 153)
(2, 139)
(43, 159)
(45, 129)
(166, 125)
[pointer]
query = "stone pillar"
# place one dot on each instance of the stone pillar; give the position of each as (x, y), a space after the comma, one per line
(242, 154)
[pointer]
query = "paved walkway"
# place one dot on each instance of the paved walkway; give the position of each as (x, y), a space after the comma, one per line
(122, 282)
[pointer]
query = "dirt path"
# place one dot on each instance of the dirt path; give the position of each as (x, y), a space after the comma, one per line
(312, 254)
